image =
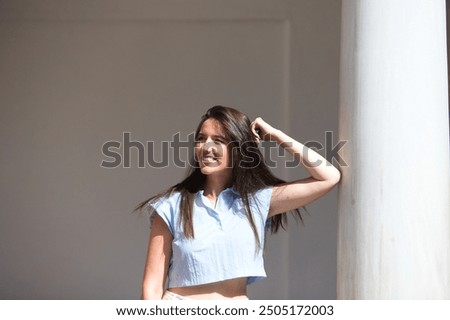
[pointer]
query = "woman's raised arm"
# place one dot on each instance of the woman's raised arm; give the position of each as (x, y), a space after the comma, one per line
(295, 194)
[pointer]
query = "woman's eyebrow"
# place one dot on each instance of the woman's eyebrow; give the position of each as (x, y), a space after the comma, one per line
(214, 135)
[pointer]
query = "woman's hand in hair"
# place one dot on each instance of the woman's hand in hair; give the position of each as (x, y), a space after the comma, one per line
(262, 130)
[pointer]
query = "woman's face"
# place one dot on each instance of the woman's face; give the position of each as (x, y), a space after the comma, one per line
(211, 149)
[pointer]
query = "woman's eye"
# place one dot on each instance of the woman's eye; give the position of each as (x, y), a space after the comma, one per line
(203, 139)
(199, 140)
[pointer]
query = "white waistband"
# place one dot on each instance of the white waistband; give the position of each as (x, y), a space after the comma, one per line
(173, 296)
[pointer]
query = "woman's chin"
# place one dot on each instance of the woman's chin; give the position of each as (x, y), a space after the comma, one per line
(208, 169)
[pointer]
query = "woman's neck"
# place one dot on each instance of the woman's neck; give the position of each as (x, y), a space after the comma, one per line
(215, 185)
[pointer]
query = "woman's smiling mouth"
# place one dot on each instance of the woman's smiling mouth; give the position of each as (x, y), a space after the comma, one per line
(208, 158)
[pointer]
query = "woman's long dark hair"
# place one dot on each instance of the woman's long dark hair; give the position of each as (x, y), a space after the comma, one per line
(249, 172)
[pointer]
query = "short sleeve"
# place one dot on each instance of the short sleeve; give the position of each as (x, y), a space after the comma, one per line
(164, 207)
(262, 198)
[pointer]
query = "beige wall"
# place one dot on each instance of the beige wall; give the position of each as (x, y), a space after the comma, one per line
(74, 76)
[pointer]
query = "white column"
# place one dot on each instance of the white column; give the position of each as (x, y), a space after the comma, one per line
(394, 226)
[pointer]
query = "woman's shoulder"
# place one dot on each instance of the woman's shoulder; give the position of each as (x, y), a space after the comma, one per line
(167, 207)
(171, 198)
(260, 200)
(263, 192)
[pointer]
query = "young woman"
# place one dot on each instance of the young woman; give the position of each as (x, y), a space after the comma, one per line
(207, 234)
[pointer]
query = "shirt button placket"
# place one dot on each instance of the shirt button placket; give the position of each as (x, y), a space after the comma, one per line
(217, 212)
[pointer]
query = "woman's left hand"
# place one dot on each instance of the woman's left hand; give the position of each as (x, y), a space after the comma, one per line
(261, 129)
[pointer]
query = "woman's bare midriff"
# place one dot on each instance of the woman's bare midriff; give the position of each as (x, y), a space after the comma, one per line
(228, 289)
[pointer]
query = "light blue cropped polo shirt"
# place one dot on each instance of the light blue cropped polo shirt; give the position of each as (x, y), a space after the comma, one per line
(224, 246)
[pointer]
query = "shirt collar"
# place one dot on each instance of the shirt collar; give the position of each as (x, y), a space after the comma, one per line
(227, 190)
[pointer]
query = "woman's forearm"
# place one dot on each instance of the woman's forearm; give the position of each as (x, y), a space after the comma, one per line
(315, 164)
(151, 293)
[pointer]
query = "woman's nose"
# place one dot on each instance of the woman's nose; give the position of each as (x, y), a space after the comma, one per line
(209, 146)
